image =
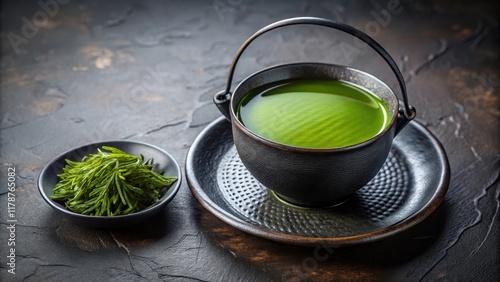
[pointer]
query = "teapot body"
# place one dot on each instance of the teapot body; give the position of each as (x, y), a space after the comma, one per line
(312, 177)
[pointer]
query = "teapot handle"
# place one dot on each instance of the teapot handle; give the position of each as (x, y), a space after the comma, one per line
(405, 114)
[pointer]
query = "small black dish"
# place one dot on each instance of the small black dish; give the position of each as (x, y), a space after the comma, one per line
(163, 162)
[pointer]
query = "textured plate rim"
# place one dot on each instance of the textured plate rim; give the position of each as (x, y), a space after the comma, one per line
(382, 233)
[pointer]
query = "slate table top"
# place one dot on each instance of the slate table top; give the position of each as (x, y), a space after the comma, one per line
(75, 72)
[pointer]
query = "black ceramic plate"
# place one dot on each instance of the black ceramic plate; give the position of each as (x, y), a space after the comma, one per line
(409, 187)
(163, 162)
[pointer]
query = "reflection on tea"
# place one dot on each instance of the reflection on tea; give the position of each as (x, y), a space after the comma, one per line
(313, 113)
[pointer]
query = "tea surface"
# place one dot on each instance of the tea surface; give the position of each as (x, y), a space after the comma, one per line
(313, 113)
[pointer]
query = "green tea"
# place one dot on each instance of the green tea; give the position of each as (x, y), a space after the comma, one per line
(313, 113)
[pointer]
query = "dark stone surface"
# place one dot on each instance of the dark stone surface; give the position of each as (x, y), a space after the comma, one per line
(147, 70)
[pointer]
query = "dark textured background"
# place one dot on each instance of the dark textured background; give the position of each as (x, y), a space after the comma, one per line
(147, 71)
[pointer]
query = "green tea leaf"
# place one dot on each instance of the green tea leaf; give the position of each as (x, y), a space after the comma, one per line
(110, 183)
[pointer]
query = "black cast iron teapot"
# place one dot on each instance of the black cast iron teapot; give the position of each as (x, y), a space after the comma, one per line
(305, 176)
